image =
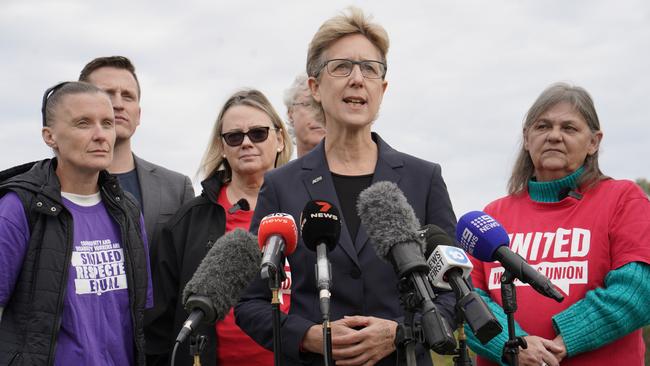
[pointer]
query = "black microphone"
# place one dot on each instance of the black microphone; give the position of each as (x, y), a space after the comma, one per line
(392, 225)
(242, 204)
(225, 271)
(320, 226)
(484, 238)
(450, 269)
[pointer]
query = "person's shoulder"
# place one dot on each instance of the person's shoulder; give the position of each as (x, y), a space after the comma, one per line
(395, 157)
(197, 205)
(503, 203)
(161, 171)
(623, 188)
(287, 170)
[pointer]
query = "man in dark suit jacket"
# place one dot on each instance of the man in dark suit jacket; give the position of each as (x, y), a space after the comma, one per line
(363, 284)
(160, 191)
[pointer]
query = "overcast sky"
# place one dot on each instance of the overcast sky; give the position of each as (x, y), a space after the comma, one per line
(461, 74)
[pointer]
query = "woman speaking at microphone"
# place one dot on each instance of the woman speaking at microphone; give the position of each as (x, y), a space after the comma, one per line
(346, 65)
(586, 232)
(248, 139)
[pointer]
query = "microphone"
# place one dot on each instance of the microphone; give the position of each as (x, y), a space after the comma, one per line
(320, 227)
(242, 204)
(449, 269)
(484, 238)
(225, 271)
(277, 236)
(392, 225)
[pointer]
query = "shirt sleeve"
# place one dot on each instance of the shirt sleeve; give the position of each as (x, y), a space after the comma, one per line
(606, 314)
(629, 228)
(14, 240)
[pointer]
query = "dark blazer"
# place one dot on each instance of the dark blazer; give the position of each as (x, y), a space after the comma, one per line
(363, 284)
(163, 193)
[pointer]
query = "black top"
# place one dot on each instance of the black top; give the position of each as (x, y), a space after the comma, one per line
(347, 189)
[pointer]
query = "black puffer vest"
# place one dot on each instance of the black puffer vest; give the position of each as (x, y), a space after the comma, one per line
(31, 320)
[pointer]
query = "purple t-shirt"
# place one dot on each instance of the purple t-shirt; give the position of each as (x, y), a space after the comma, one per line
(96, 325)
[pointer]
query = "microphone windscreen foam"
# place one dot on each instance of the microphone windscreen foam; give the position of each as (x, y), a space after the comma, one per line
(279, 224)
(226, 270)
(480, 235)
(388, 218)
(320, 222)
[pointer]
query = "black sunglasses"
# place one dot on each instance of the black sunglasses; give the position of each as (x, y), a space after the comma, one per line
(256, 134)
(48, 93)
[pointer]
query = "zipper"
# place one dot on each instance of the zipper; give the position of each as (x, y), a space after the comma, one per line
(131, 266)
(66, 268)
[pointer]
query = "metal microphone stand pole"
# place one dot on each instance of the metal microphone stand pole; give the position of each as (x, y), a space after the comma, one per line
(274, 284)
(197, 344)
(509, 300)
(462, 358)
(327, 341)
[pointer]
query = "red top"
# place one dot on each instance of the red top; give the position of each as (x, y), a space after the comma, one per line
(234, 347)
(575, 243)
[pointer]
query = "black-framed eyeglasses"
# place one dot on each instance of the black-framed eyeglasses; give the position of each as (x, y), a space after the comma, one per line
(370, 69)
(256, 134)
(48, 93)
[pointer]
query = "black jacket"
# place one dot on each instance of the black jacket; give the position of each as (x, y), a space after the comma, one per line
(184, 242)
(31, 320)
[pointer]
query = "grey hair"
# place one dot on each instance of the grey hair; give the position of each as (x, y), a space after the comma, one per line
(56, 97)
(581, 101)
(298, 86)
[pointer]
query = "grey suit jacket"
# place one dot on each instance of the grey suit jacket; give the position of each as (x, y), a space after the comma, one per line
(163, 193)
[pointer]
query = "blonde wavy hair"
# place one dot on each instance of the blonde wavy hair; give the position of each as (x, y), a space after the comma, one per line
(213, 159)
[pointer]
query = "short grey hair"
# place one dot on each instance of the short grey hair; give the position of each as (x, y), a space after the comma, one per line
(298, 86)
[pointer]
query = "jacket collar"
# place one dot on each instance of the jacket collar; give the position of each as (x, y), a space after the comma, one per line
(212, 185)
(317, 179)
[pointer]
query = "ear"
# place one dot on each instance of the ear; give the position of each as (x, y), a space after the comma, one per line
(48, 137)
(594, 144)
(314, 87)
(384, 85)
(280, 139)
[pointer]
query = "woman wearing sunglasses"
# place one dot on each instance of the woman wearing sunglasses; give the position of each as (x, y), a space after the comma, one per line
(248, 139)
(346, 64)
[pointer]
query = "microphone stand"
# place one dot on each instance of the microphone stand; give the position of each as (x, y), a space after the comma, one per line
(197, 344)
(274, 284)
(327, 341)
(405, 337)
(462, 355)
(509, 300)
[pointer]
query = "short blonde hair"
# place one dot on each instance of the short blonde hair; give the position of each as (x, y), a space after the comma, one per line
(335, 28)
(213, 159)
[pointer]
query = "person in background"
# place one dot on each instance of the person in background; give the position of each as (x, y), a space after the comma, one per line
(305, 116)
(346, 64)
(586, 232)
(74, 282)
(160, 192)
(248, 139)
